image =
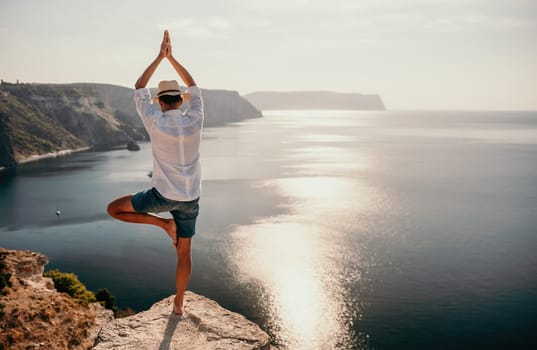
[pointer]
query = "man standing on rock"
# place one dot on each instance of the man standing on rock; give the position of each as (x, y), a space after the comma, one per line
(175, 141)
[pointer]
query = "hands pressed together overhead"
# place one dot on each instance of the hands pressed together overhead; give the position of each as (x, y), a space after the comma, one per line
(165, 46)
(165, 52)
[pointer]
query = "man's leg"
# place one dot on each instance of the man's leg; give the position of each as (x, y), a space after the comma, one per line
(121, 209)
(182, 272)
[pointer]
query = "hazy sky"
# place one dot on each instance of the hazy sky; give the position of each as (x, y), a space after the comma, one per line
(427, 54)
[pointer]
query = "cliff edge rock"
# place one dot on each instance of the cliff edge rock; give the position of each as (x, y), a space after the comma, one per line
(33, 315)
(205, 325)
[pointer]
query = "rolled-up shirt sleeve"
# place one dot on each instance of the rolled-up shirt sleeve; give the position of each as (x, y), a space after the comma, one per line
(195, 109)
(146, 110)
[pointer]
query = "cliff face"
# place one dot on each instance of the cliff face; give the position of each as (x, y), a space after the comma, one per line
(43, 118)
(315, 100)
(34, 315)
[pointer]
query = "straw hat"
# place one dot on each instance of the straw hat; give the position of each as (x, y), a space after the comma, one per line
(168, 87)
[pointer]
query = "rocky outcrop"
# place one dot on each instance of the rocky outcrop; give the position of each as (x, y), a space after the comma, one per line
(33, 315)
(205, 325)
(315, 100)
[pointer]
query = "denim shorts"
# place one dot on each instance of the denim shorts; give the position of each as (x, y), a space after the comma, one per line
(184, 213)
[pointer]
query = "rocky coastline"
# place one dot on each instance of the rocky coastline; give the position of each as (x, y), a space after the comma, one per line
(45, 120)
(64, 152)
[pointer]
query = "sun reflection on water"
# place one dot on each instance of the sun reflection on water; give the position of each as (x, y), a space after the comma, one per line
(288, 259)
(326, 160)
(307, 266)
(303, 264)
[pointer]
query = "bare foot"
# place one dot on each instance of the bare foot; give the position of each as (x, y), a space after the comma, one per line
(178, 309)
(171, 230)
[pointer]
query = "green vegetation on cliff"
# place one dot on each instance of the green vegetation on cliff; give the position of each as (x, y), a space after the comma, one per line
(68, 283)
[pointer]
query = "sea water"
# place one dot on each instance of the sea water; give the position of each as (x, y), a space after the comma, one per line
(330, 229)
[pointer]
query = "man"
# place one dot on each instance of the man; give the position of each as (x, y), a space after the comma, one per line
(175, 141)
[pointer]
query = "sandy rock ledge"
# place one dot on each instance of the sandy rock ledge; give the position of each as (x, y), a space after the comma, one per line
(206, 325)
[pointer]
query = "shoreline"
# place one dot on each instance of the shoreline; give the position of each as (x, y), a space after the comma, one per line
(60, 153)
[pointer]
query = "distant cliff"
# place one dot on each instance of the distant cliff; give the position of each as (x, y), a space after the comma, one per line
(38, 119)
(315, 100)
(225, 106)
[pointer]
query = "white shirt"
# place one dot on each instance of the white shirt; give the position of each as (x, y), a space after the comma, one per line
(175, 141)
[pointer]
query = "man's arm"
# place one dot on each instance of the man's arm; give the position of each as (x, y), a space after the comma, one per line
(165, 50)
(146, 75)
(183, 73)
